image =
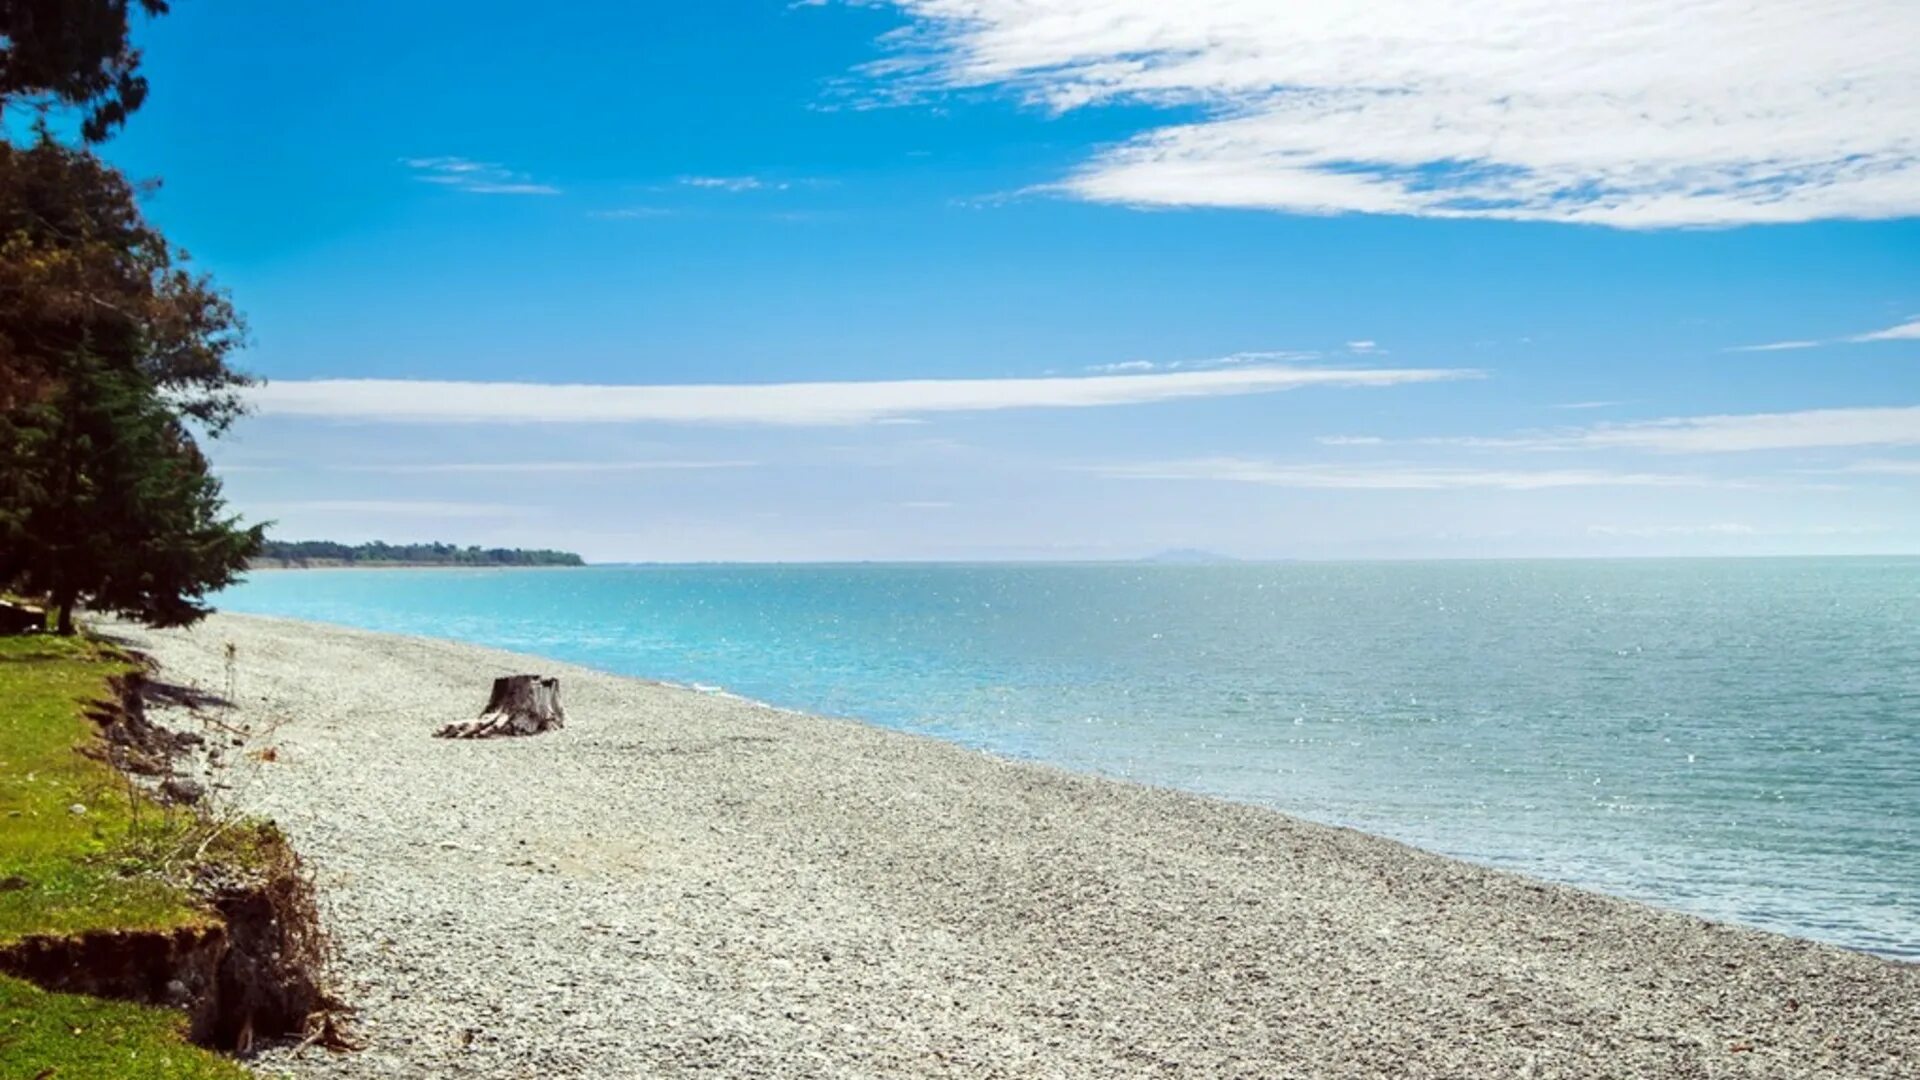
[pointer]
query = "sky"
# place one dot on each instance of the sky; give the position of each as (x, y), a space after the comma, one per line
(1060, 279)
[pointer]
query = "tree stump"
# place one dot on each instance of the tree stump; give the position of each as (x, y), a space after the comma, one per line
(519, 705)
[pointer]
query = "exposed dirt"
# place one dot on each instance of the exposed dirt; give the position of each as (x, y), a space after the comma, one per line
(252, 970)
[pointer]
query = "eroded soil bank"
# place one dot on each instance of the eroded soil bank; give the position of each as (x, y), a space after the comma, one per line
(245, 961)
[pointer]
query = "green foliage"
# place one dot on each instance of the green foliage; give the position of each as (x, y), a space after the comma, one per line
(130, 517)
(81, 268)
(110, 353)
(297, 551)
(74, 53)
(108, 349)
(69, 1037)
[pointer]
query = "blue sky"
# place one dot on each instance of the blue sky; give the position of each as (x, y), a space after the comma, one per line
(1110, 276)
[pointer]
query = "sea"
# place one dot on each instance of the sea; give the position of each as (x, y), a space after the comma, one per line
(1738, 739)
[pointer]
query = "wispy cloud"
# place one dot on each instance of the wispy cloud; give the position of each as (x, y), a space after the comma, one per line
(735, 183)
(1719, 528)
(544, 467)
(1906, 331)
(1879, 467)
(1807, 429)
(1776, 346)
(1350, 440)
(1391, 477)
(397, 507)
(1259, 356)
(631, 213)
(478, 177)
(1262, 356)
(1612, 114)
(804, 403)
(1727, 528)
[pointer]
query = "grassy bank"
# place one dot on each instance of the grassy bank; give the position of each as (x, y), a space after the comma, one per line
(71, 1037)
(80, 852)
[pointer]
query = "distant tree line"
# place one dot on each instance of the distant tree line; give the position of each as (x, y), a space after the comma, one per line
(299, 551)
(113, 351)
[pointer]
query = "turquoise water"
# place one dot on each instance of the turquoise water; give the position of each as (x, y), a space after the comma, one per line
(1738, 738)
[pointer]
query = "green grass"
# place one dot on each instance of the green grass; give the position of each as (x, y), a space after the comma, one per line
(70, 1037)
(65, 873)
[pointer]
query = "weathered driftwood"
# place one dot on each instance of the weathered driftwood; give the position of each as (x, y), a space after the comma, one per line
(519, 705)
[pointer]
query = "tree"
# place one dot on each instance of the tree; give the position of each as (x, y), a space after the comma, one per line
(115, 354)
(126, 515)
(79, 264)
(74, 53)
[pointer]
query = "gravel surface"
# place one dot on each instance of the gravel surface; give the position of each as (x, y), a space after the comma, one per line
(684, 884)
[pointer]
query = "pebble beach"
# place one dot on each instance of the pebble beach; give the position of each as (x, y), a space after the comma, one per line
(682, 883)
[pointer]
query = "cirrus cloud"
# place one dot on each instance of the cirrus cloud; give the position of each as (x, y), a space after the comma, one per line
(1634, 113)
(1805, 429)
(477, 177)
(1392, 477)
(1906, 331)
(790, 404)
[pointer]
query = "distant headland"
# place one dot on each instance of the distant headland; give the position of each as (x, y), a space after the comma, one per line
(303, 554)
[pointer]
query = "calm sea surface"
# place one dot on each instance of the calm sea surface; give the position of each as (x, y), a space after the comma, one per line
(1739, 738)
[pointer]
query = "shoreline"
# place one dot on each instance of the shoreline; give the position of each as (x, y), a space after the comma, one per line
(1515, 860)
(1009, 917)
(285, 565)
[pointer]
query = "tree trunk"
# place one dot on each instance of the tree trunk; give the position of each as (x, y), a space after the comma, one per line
(64, 600)
(519, 705)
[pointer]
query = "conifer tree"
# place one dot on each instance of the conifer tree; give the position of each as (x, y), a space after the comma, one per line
(113, 357)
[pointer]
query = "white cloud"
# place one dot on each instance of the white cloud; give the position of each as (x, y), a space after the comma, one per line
(806, 403)
(1350, 440)
(1391, 477)
(1363, 346)
(1880, 467)
(1633, 113)
(1906, 331)
(630, 213)
(1262, 356)
(399, 507)
(1897, 425)
(1777, 346)
(1723, 528)
(544, 467)
(734, 183)
(479, 177)
(1808, 429)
